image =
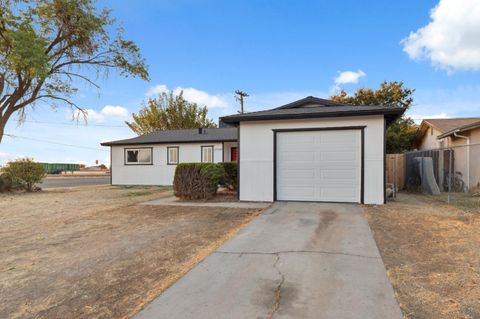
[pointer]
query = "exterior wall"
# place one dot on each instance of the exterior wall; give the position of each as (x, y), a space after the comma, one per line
(227, 150)
(256, 154)
(159, 173)
(466, 157)
(474, 158)
(430, 141)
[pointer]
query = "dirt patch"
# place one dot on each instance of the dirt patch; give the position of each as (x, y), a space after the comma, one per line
(432, 255)
(92, 252)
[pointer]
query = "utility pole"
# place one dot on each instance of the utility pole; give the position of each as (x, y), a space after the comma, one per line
(239, 95)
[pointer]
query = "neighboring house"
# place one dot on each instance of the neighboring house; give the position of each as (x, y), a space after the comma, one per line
(440, 133)
(151, 159)
(309, 150)
(462, 135)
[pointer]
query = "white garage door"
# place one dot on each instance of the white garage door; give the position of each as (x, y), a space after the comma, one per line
(319, 166)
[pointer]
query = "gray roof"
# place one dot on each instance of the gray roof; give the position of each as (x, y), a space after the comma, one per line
(180, 136)
(313, 107)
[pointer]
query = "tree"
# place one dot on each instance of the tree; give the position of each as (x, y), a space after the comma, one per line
(169, 112)
(45, 46)
(401, 133)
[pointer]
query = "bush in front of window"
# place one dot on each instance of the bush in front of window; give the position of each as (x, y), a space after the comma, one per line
(25, 173)
(230, 176)
(197, 180)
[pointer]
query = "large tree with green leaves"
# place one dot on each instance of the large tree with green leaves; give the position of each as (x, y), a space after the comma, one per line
(401, 133)
(46, 46)
(169, 112)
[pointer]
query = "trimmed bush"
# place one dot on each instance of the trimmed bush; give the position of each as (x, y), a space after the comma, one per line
(25, 173)
(230, 176)
(197, 180)
(5, 183)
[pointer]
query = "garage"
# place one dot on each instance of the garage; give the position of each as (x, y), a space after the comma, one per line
(315, 150)
(319, 165)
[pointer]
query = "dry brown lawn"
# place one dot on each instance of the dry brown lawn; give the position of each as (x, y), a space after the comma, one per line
(432, 254)
(94, 252)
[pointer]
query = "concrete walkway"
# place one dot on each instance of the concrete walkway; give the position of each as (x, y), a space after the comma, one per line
(173, 201)
(297, 260)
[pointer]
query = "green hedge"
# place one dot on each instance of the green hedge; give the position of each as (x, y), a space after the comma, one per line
(230, 177)
(197, 180)
(25, 173)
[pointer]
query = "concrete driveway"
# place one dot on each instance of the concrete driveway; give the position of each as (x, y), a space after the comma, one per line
(297, 260)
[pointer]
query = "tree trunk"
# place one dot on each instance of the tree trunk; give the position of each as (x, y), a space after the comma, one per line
(3, 122)
(2, 128)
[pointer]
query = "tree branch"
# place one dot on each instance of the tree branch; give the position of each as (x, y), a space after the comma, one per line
(70, 74)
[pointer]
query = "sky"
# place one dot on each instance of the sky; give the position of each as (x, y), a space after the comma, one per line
(278, 52)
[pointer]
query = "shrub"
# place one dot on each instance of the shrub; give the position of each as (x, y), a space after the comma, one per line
(25, 173)
(230, 176)
(5, 182)
(197, 180)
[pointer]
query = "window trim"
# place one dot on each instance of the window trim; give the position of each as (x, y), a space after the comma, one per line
(168, 155)
(126, 149)
(213, 153)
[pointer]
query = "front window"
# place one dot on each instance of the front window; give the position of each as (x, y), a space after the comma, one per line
(138, 156)
(172, 155)
(207, 154)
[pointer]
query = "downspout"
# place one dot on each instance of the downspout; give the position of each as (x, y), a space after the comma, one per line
(468, 156)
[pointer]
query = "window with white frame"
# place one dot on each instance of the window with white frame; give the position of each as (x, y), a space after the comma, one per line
(172, 155)
(207, 154)
(138, 156)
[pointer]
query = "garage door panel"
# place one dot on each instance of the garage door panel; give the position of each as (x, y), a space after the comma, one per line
(298, 173)
(345, 156)
(339, 194)
(319, 165)
(307, 193)
(297, 156)
(339, 174)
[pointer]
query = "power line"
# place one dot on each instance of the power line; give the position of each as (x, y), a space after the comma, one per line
(73, 124)
(56, 143)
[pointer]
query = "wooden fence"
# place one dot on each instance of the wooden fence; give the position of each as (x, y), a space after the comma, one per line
(395, 170)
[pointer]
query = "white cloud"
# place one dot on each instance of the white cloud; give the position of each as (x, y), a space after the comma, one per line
(192, 95)
(452, 38)
(108, 112)
(346, 77)
(116, 111)
(156, 90)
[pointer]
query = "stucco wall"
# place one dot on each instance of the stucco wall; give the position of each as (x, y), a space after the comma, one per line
(475, 158)
(227, 150)
(159, 173)
(430, 141)
(256, 154)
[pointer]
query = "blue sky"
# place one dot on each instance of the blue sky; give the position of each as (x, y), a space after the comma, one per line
(277, 51)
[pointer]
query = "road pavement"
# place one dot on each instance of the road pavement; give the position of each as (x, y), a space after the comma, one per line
(73, 181)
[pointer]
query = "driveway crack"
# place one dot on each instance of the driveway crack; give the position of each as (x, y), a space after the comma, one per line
(278, 289)
(295, 252)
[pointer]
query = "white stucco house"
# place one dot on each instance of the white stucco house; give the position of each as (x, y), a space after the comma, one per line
(151, 159)
(309, 150)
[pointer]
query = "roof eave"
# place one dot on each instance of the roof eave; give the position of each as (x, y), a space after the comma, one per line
(169, 142)
(392, 115)
(460, 129)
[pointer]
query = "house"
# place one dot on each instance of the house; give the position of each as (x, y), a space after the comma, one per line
(443, 133)
(462, 135)
(151, 159)
(309, 150)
